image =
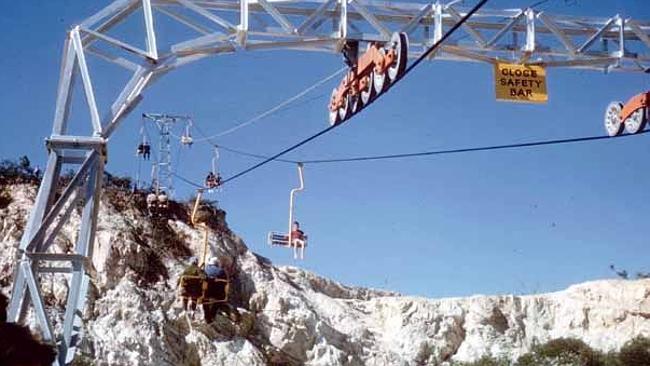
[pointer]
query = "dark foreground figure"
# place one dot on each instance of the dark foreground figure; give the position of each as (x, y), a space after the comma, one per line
(18, 347)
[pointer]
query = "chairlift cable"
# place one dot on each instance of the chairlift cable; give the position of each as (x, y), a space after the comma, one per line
(275, 109)
(421, 58)
(441, 152)
(471, 149)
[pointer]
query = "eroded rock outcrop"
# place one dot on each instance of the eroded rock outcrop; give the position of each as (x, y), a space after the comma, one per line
(290, 316)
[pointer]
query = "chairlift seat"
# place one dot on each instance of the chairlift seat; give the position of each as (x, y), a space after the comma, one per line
(191, 287)
(215, 290)
(281, 239)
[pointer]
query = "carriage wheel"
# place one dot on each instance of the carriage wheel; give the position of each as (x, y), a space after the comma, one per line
(636, 121)
(346, 109)
(613, 123)
(334, 114)
(369, 94)
(398, 42)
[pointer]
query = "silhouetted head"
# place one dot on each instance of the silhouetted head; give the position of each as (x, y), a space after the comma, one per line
(18, 347)
(4, 302)
(296, 225)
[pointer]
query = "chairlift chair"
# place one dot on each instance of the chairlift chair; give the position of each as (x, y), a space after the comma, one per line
(213, 180)
(186, 138)
(285, 239)
(201, 289)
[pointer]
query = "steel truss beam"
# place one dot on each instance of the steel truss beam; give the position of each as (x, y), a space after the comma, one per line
(224, 26)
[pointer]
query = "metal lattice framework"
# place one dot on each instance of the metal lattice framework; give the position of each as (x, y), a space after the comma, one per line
(162, 174)
(212, 27)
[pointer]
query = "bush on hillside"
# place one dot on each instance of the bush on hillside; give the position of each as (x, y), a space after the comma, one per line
(574, 352)
(635, 352)
(17, 172)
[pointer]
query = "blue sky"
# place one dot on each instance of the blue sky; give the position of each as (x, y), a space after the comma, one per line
(519, 221)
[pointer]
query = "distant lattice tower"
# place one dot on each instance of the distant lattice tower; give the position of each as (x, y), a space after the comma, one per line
(162, 174)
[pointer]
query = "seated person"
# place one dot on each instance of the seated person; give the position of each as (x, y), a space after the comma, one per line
(213, 270)
(146, 151)
(297, 236)
(162, 200)
(212, 180)
(216, 291)
(188, 294)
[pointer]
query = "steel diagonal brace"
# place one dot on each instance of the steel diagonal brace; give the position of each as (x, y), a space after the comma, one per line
(108, 57)
(559, 33)
(128, 99)
(505, 29)
(468, 28)
(47, 242)
(597, 35)
(37, 300)
(74, 184)
(207, 14)
(114, 19)
(110, 10)
(277, 16)
(415, 22)
(117, 43)
(184, 20)
(314, 17)
(367, 15)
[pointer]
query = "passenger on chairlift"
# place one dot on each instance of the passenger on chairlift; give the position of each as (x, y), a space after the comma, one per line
(162, 200)
(187, 140)
(297, 235)
(151, 200)
(189, 303)
(212, 180)
(146, 151)
(213, 270)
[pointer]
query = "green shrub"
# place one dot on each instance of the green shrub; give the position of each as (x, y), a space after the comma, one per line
(635, 352)
(574, 352)
(568, 351)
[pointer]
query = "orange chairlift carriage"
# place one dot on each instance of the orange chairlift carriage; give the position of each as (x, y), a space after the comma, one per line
(201, 289)
(633, 115)
(294, 238)
(370, 75)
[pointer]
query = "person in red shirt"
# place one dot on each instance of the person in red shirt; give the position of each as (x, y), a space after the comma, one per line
(297, 235)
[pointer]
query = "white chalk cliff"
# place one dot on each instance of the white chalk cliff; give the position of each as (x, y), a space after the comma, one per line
(292, 317)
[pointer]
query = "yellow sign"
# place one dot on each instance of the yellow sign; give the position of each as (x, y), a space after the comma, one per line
(520, 83)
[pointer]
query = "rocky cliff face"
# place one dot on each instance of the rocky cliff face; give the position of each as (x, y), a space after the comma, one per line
(292, 317)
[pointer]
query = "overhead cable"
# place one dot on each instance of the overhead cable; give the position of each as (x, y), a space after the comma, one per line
(421, 58)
